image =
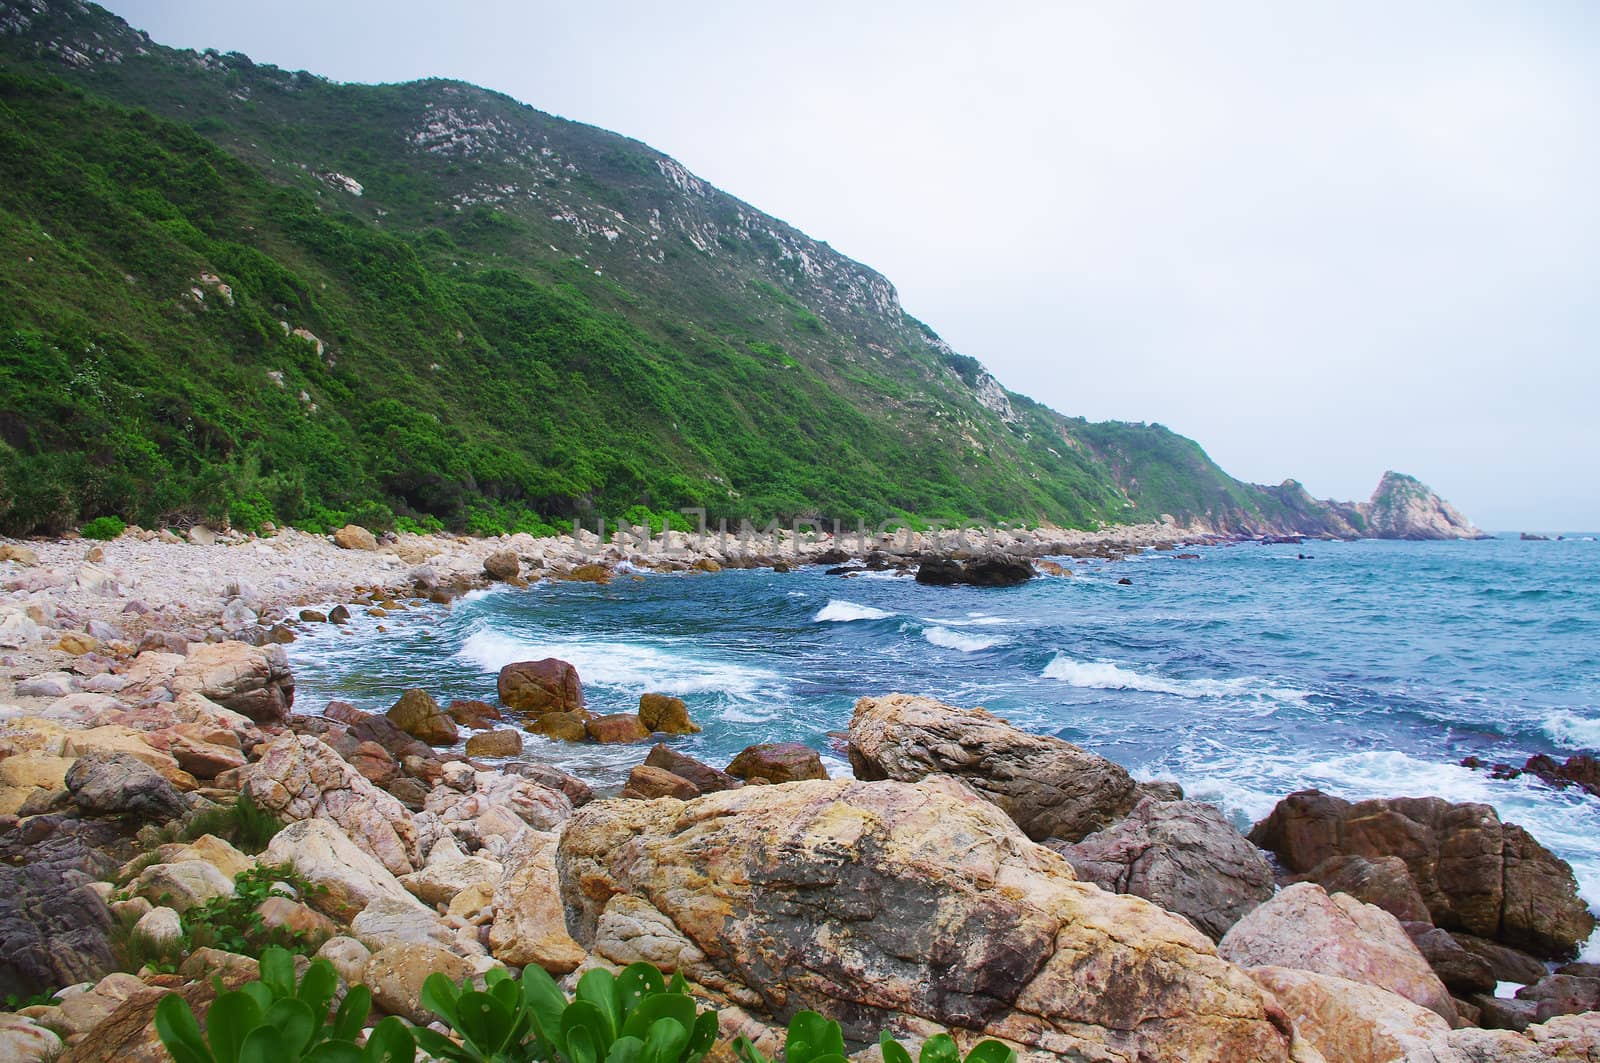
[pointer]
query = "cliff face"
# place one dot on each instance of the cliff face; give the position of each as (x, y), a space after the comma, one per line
(1405, 508)
(273, 296)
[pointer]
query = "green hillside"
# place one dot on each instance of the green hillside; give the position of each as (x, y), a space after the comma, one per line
(229, 290)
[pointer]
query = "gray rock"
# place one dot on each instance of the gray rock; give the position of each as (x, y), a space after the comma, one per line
(1184, 856)
(120, 784)
(54, 930)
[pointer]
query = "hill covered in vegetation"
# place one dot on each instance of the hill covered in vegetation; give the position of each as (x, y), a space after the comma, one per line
(233, 291)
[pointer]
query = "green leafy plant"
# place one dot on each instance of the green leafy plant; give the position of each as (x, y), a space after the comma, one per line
(632, 1017)
(103, 528)
(276, 1020)
(814, 1039)
(231, 923)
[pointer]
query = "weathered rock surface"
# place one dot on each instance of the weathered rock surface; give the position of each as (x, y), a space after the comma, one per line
(704, 778)
(1051, 788)
(54, 930)
(474, 715)
(120, 784)
(1355, 1022)
(418, 715)
(438, 883)
(502, 565)
(1474, 873)
(990, 571)
(1182, 855)
(128, 1034)
(1384, 881)
(300, 778)
(1462, 972)
(1305, 928)
(880, 902)
(350, 877)
(562, 726)
(666, 714)
(355, 537)
(502, 743)
(778, 762)
(395, 976)
(183, 885)
(251, 680)
(538, 687)
(647, 782)
(529, 926)
(619, 727)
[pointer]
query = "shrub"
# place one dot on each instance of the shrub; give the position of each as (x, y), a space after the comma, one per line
(274, 1020)
(231, 923)
(103, 528)
(244, 824)
(813, 1039)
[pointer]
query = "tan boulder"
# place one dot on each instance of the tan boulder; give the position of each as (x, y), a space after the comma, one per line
(778, 762)
(217, 852)
(395, 976)
(666, 714)
(889, 903)
(1051, 788)
(299, 777)
(418, 715)
(529, 926)
(355, 537)
(1354, 1022)
(389, 921)
(349, 878)
(647, 782)
(439, 883)
(183, 885)
(502, 743)
(255, 681)
(1303, 927)
(23, 1040)
(348, 956)
(474, 715)
(562, 726)
(502, 565)
(35, 769)
(284, 913)
(619, 727)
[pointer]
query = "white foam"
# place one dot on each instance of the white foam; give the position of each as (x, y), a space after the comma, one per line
(1570, 729)
(633, 666)
(1506, 990)
(1105, 675)
(970, 620)
(950, 640)
(841, 611)
(478, 594)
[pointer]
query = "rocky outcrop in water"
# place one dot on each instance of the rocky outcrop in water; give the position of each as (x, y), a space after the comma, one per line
(1403, 507)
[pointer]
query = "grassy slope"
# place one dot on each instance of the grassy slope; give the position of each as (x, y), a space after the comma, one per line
(487, 356)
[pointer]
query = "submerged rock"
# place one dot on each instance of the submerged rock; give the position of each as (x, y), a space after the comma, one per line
(888, 903)
(1051, 788)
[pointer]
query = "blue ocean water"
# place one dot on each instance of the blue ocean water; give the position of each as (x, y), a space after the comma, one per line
(1368, 669)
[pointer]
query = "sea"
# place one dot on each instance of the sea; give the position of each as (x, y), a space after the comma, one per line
(1243, 671)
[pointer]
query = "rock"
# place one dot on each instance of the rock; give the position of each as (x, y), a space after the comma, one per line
(128, 1034)
(778, 762)
(183, 885)
(1474, 873)
(666, 714)
(348, 956)
(1384, 881)
(45, 685)
(885, 903)
(1462, 972)
(161, 926)
(562, 726)
(538, 687)
(313, 616)
(502, 565)
(1508, 965)
(24, 556)
(355, 537)
(528, 924)
(17, 631)
(418, 715)
(589, 574)
(476, 715)
(339, 614)
(1355, 1022)
(390, 921)
(395, 976)
(618, 727)
(576, 790)
(1051, 788)
(411, 793)
(1305, 928)
(439, 883)
(1182, 855)
(23, 1041)
(497, 805)
(254, 681)
(215, 851)
(646, 782)
(989, 571)
(120, 784)
(378, 729)
(1582, 769)
(300, 778)
(374, 762)
(54, 930)
(1500, 1013)
(347, 876)
(203, 759)
(495, 744)
(703, 777)
(35, 769)
(1561, 994)
(284, 913)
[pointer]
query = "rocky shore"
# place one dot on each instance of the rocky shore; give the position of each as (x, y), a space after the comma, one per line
(166, 807)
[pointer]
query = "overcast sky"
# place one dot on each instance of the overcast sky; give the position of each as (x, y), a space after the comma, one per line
(1324, 239)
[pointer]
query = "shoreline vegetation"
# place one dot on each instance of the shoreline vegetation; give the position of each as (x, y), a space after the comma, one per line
(168, 812)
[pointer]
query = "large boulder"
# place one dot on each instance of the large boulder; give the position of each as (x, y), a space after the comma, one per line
(253, 680)
(493, 809)
(502, 565)
(355, 537)
(395, 976)
(1184, 856)
(346, 876)
(1384, 881)
(538, 687)
(1305, 928)
(529, 926)
(704, 778)
(666, 714)
(995, 570)
(1473, 872)
(889, 903)
(1051, 788)
(418, 715)
(298, 777)
(120, 784)
(54, 930)
(1354, 1022)
(1462, 972)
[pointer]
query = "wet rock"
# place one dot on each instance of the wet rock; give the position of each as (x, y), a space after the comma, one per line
(529, 926)
(1508, 964)
(538, 687)
(703, 777)
(1305, 928)
(666, 714)
(474, 715)
(1462, 972)
(1561, 994)
(504, 743)
(1182, 855)
(777, 762)
(313, 616)
(1474, 873)
(1051, 788)
(618, 727)
(119, 784)
(418, 715)
(411, 793)
(1582, 770)
(646, 782)
(339, 614)
(1499, 1013)
(562, 726)
(300, 778)
(887, 903)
